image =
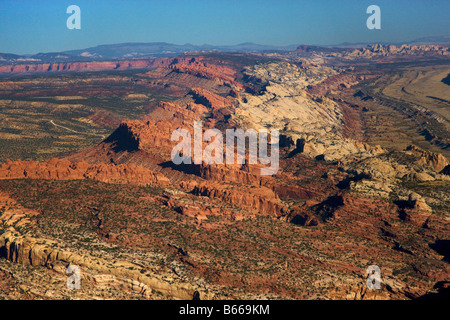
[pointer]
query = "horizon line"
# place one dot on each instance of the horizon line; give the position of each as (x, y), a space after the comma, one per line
(246, 43)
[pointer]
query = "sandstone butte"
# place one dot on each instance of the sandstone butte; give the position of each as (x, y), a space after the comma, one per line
(61, 169)
(148, 141)
(153, 138)
(153, 133)
(435, 160)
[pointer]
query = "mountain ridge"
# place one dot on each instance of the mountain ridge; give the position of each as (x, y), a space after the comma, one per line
(140, 50)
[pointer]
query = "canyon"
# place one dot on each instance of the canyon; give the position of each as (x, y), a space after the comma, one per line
(86, 178)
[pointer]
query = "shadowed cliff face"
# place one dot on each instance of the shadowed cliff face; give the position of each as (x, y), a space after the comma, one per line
(446, 80)
(122, 139)
(442, 247)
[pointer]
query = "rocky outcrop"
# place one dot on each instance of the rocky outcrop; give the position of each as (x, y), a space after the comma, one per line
(414, 210)
(302, 216)
(375, 51)
(401, 50)
(57, 169)
(91, 65)
(200, 211)
(43, 252)
(76, 66)
(434, 160)
(151, 136)
(196, 66)
(242, 174)
(257, 200)
(291, 101)
(335, 148)
(418, 202)
(209, 99)
(37, 251)
(13, 214)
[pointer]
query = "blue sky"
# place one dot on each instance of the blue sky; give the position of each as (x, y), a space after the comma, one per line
(32, 26)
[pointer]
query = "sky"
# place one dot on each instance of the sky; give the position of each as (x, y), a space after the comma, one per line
(33, 26)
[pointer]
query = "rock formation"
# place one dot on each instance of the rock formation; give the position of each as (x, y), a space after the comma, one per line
(56, 169)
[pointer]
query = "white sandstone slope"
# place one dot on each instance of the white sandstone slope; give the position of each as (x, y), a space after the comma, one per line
(285, 104)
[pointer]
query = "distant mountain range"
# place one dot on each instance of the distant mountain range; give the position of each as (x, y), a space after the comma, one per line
(439, 40)
(137, 50)
(158, 49)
